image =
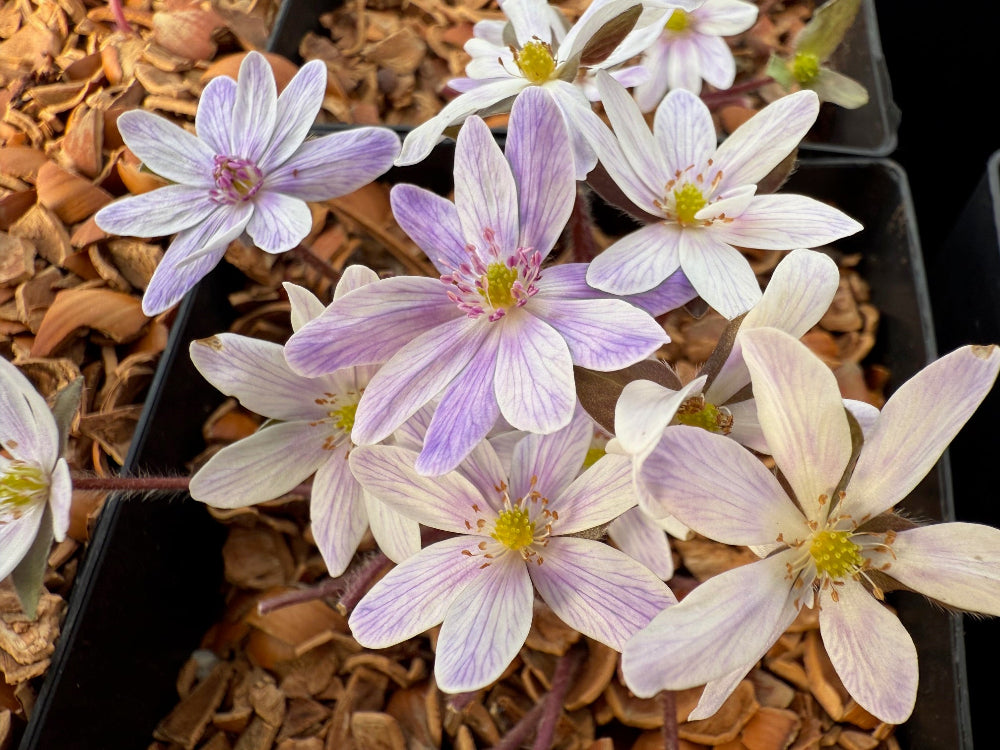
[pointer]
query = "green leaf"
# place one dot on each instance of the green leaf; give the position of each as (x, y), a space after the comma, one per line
(609, 36)
(838, 89)
(827, 27)
(777, 68)
(29, 575)
(65, 405)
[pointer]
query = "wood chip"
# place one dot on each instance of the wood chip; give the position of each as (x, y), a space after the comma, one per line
(186, 723)
(728, 721)
(117, 316)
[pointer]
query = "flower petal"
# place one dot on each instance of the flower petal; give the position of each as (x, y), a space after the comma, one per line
(955, 563)
(193, 253)
(416, 373)
(168, 149)
(720, 273)
(802, 415)
(445, 502)
(726, 17)
(335, 164)
(873, 654)
(534, 375)
(17, 536)
(639, 537)
(485, 627)
(420, 141)
(725, 624)
(598, 590)
(60, 499)
(279, 222)
(305, 305)
(214, 118)
(684, 131)
(337, 511)
(549, 463)
(263, 466)
(396, 535)
(432, 222)
(158, 213)
(602, 334)
(257, 103)
(784, 222)
(718, 488)
(485, 190)
(27, 429)
(637, 262)
(644, 410)
(466, 412)
(414, 596)
(371, 327)
(916, 425)
(758, 145)
(540, 158)
(297, 107)
(716, 63)
(602, 493)
(255, 372)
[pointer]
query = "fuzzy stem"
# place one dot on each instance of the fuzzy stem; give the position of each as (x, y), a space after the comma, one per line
(312, 260)
(718, 98)
(356, 582)
(668, 701)
(565, 670)
(520, 731)
(132, 484)
(119, 13)
(329, 587)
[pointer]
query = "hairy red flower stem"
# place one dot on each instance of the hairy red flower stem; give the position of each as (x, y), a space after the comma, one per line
(132, 484)
(358, 580)
(718, 98)
(322, 590)
(552, 704)
(119, 13)
(668, 701)
(314, 261)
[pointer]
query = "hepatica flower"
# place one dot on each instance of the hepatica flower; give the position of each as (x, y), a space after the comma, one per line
(691, 47)
(250, 168)
(311, 436)
(35, 486)
(497, 334)
(514, 537)
(704, 195)
(537, 52)
(832, 546)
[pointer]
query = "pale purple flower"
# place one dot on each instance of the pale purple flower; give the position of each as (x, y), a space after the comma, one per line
(35, 486)
(250, 168)
(828, 541)
(515, 536)
(497, 334)
(704, 194)
(545, 55)
(691, 48)
(310, 435)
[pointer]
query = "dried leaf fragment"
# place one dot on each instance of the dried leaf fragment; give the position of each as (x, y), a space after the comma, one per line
(116, 315)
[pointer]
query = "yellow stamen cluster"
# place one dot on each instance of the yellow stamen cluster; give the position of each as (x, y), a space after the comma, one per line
(535, 61)
(835, 554)
(344, 416)
(688, 200)
(496, 285)
(678, 21)
(514, 528)
(21, 485)
(805, 67)
(696, 412)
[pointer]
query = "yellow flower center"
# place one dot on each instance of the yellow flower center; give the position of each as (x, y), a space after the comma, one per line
(514, 528)
(696, 412)
(678, 21)
(535, 61)
(496, 285)
(688, 201)
(21, 485)
(805, 67)
(835, 554)
(344, 416)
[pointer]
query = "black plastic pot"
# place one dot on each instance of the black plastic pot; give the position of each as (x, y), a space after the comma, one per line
(867, 131)
(149, 585)
(966, 292)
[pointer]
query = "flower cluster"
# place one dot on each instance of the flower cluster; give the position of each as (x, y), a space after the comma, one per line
(465, 403)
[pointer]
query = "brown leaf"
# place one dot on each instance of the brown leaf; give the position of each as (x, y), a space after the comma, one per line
(73, 198)
(116, 315)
